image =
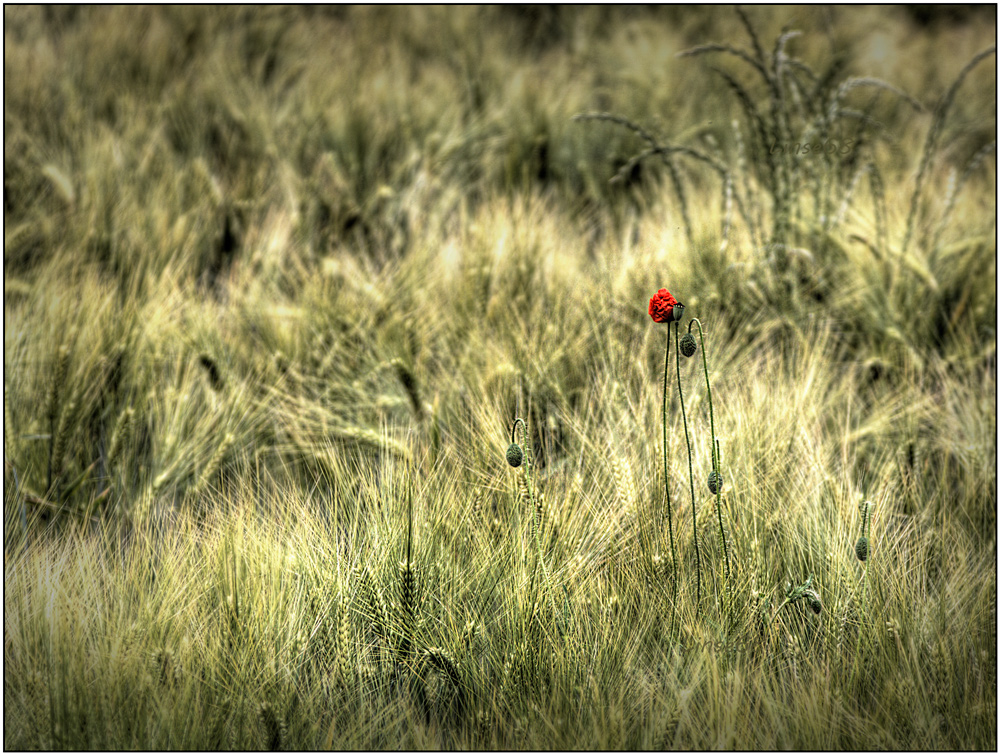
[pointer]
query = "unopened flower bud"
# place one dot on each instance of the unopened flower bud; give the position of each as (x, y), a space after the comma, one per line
(688, 345)
(514, 455)
(714, 482)
(861, 548)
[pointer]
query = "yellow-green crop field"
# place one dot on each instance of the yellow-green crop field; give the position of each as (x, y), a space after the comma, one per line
(279, 281)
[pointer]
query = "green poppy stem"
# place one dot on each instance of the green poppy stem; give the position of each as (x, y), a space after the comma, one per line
(666, 484)
(716, 460)
(687, 437)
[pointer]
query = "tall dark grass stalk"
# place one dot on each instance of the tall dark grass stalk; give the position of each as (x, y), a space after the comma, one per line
(666, 485)
(716, 475)
(687, 438)
(407, 587)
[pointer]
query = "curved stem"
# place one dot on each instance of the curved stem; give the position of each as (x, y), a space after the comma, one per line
(716, 461)
(666, 484)
(513, 431)
(687, 437)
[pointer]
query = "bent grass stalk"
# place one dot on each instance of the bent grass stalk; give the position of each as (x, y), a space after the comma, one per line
(687, 438)
(716, 461)
(863, 551)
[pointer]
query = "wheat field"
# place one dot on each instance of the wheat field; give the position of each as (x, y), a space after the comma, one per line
(279, 281)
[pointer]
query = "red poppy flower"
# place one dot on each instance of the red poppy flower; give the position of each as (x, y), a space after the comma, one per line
(661, 306)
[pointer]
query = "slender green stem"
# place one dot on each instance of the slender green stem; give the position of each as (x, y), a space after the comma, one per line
(687, 437)
(716, 461)
(513, 431)
(666, 484)
(532, 513)
(865, 531)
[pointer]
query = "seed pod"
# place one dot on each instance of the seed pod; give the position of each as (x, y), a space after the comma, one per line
(689, 345)
(514, 455)
(678, 311)
(714, 482)
(861, 548)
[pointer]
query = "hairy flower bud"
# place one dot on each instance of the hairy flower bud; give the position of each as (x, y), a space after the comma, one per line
(514, 455)
(861, 548)
(714, 482)
(688, 344)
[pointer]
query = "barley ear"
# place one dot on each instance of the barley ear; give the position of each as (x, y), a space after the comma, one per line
(55, 395)
(122, 428)
(274, 726)
(410, 385)
(440, 660)
(213, 464)
(62, 437)
(408, 607)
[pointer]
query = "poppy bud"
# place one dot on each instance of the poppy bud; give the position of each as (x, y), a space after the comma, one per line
(714, 482)
(861, 548)
(514, 455)
(688, 344)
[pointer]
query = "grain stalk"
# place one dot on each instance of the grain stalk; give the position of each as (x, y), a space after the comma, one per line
(408, 588)
(55, 397)
(515, 456)
(344, 640)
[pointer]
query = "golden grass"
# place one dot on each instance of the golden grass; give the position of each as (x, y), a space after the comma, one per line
(307, 261)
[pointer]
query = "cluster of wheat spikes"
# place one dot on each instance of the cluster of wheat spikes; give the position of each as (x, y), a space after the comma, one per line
(805, 112)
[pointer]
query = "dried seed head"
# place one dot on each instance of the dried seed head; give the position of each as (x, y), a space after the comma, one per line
(514, 455)
(812, 598)
(714, 482)
(861, 548)
(688, 345)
